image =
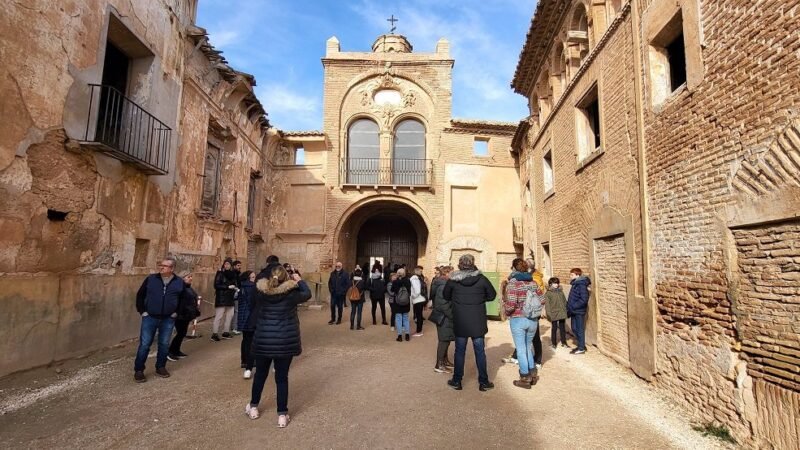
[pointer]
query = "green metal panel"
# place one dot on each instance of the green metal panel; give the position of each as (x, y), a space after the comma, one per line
(493, 307)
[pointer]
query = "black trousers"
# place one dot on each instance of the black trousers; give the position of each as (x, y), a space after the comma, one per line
(555, 326)
(281, 381)
(441, 351)
(393, 310)
(247, 342)
(419, 319)
(337, 303)
(537, 348)
(382, 303)
(181, 327)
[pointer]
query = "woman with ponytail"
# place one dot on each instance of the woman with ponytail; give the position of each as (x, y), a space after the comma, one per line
(277, 335)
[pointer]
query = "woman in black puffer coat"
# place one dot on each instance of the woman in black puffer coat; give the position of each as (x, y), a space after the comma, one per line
(277, 335)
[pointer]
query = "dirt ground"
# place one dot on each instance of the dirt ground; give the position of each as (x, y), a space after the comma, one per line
(349, 389)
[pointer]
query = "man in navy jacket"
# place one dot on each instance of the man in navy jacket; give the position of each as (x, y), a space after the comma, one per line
(158, 302)
(338, 284)
(577, 305)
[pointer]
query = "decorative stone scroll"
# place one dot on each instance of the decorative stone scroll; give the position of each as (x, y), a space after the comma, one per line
(387, 107)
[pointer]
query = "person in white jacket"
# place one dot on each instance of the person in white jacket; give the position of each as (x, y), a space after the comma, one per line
(418, 298)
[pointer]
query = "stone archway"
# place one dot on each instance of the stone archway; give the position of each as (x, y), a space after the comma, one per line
(385, 227)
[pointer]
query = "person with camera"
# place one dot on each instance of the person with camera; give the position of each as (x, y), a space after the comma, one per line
(226, 285)
(276, 339)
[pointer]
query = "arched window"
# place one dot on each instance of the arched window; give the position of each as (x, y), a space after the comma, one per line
(409, 166)
(363, 152)
(559, 70)
(579, 35)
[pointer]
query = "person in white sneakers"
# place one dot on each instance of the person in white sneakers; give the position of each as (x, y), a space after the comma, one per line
(418, 292)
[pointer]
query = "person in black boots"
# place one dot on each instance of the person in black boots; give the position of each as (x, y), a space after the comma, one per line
(468, 290)
(377, 294)
(444, 330)
(338, 284)
(186, 314)
(245, 324)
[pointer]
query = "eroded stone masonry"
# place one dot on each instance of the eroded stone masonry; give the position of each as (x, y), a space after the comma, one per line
(663, 139)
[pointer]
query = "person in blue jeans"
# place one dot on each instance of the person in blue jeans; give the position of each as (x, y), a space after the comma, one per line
(468, 290)
(523, 328)
(577, 303)
(402, 304)
(157, 301)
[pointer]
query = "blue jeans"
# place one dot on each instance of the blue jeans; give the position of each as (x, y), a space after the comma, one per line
(147, 333)
(401, 323)
(578, 324)
(523, 330)
(478, 345)
(356, 309)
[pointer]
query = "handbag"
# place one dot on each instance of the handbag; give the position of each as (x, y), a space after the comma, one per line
(437, 317)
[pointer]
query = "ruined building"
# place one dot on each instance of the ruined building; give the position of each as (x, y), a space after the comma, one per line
(391, 176)
(126, 137)
(662, 153)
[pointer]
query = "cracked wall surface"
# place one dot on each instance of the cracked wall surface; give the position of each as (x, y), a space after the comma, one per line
(79, 229)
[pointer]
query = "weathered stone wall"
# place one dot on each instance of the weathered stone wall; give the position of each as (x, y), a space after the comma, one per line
(79, 229)
(612, 299)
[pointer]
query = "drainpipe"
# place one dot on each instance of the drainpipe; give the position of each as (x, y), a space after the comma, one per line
(643, 187)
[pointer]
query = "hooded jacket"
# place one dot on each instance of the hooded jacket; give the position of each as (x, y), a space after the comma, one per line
(277, 327)
(224, 295)
(445, 330)
(556, 304)
(468, 291)
(578, 296)
(396, 285)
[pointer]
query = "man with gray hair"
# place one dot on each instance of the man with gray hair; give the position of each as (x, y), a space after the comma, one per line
(468, 290)
(158, 301)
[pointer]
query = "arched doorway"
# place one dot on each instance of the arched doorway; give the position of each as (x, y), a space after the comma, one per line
(389, 230)
(388, 238)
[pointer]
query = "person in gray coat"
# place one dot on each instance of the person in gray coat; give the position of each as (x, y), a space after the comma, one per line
(445, 329)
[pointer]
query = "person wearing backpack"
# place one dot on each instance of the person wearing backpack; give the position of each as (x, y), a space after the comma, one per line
(522, 303)
(377, 294)
(355, 295)
(402, 304)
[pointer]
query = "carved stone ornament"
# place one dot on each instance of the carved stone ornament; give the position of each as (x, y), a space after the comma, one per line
(387, 110)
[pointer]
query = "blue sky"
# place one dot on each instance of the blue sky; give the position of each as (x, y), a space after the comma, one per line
(281, 43)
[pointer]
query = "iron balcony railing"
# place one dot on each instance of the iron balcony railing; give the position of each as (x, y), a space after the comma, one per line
(387, 172)
(122, 129)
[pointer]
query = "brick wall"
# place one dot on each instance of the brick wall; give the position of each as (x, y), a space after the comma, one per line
(613, 295)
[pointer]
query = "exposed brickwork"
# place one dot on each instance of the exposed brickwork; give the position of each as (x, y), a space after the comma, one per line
(613, 299)
(768, 303)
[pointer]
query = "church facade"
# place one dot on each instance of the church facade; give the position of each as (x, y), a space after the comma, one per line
(392, 176)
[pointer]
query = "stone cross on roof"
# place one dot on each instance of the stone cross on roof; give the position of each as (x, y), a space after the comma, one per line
(392, 20)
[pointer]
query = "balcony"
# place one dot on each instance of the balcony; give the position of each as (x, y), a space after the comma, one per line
(518, 234)
(387, 172)
(120, 128)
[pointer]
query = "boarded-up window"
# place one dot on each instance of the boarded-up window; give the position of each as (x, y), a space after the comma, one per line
(251, 202)
(612, 295)
(210, 199)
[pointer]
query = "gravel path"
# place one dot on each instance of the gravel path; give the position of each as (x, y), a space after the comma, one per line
(349, 389)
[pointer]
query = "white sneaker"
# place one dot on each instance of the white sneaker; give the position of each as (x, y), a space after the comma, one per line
(418, 334)
(247, 374)
(510, 360)
(251, 411)
(538, 366)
